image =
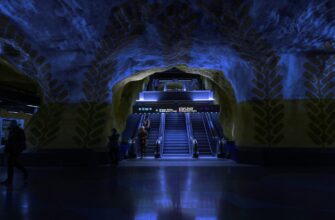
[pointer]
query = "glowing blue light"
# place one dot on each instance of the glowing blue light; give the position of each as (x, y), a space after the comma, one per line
(202, 95)
(206, 218)
(146, 100)
(146, 216)
(154, 96)
(148, 96)
(209, 99)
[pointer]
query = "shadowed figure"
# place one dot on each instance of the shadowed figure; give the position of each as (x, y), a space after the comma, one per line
(146, 123)
(15, 144)
(113, 146)
(142, 137)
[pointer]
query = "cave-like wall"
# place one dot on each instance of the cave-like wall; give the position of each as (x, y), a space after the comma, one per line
(275, 58)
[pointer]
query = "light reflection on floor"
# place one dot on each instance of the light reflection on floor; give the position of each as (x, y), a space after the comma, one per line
(171, 192)
(178, 199)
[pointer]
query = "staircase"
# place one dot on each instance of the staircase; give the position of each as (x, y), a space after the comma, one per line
(199, 133)
(153, 134)
(175, 138)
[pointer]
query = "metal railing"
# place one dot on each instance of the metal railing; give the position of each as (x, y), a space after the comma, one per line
(189, 132)
(161, 135)
(132, 149)
(221, 152)
(209, 136)
(195, 148)
(158, 148)
(215, 136)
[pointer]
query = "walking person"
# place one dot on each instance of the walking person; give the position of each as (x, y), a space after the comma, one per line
(15, 144)
(113, 146)
(142, 137)
(146, 123)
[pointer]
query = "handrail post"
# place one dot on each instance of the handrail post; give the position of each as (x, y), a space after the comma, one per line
(158, 146)
(221, 143)
(162, 132)
(189, 132)
(132, 152)
(195, 148)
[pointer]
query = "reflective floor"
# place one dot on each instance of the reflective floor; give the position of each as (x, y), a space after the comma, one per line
(171, 191)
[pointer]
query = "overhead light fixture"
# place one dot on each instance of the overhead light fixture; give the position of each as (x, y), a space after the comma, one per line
(208, 99)
(146, 100)
(32, 106)
(12, 112)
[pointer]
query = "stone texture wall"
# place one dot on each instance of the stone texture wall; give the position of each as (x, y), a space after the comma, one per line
(268, 68)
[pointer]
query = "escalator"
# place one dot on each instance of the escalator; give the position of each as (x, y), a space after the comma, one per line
(216, 122)
(200, 134)
(153, 134)
(175, 136)
(131, 127)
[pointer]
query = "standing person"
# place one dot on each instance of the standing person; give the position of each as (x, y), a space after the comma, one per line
(146, 123)
(15, 144)
(142, 137)
(113, 146)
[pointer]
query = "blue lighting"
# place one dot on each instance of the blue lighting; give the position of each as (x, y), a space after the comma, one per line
(154, 96)
(146, 100)
(204, 95)
(209, 99)
(146, 216)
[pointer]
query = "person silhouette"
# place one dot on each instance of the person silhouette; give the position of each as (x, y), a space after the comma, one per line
(15, 144)
(113, 146)
(146, 123)
(142, 137)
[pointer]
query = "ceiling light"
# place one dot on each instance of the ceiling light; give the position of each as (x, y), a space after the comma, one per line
(33, 106)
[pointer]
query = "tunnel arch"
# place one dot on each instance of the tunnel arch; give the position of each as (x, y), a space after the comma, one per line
(20, 93)
(224, 91)
(44, 127)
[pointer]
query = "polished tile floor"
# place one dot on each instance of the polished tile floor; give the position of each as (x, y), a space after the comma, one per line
(171, 190)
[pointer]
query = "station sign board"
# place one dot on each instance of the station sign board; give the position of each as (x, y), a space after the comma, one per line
(182, 108)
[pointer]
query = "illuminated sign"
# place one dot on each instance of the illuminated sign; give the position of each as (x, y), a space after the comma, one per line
(145, 109)
(166, 110)
(187, 109)
(175, 108)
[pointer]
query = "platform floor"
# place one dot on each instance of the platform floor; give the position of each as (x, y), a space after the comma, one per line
(171, 190)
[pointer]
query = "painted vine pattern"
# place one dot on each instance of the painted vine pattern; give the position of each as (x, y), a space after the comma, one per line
(124, 25)
(176, 25)
(319, 81)
(45, 126)
(235, 25)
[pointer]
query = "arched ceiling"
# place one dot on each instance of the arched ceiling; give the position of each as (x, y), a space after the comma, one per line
(89, 43)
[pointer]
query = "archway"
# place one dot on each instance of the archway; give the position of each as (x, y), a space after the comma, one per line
(126, 92)
(20, 99)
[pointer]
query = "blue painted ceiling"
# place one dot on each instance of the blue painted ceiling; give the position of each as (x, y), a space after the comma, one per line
(150, 34)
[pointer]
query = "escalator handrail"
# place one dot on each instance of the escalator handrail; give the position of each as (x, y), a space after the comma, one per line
(162, 131)
(204, 124)
(139, 124)
(217, 129)
(189, 132)
(211, 125)
(215, 136)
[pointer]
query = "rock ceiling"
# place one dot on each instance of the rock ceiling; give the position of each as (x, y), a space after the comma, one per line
(80, 41)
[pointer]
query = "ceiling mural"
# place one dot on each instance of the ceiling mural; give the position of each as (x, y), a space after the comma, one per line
(77, 38)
